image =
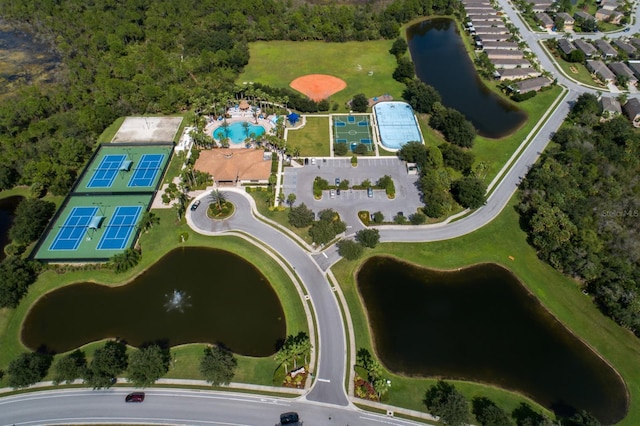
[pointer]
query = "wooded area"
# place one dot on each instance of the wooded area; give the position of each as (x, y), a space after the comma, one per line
(145, 57)
(581, 208)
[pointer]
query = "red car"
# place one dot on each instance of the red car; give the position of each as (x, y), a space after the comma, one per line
(135, 397)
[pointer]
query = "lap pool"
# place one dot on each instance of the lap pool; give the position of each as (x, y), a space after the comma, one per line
(397, 124)
(237, 132)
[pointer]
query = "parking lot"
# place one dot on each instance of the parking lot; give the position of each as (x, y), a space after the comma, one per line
(299, 181)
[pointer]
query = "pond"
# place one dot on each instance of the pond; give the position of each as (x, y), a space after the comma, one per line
(24, 60)
(192, 295)
(7, 209)
(441, 60)
(480, 324)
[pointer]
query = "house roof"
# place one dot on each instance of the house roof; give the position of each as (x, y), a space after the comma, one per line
(587, 48)
(620, 68)
(598, 67)
(632, 108)
(518, 62)
(231, 164)
(532, 84)
(503, 45)
(626, 47)
(545, 19)
(566, 46)
(478, 17)
(635, 67)
(604, 47)
(635, 41)
(518, 73)
(492, 30)
(583, 15)
(568, 19)
(504, 53)
(610, 104)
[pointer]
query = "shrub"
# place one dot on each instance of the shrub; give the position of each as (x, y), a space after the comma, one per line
(350, 249)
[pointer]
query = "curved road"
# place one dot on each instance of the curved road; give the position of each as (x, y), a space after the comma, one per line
(326, 402)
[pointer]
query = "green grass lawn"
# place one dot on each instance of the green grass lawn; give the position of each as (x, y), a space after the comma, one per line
(277, 63)
(159, 241)
(561, 295)
(312, 139)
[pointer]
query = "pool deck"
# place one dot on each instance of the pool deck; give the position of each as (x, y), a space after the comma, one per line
(239, 117)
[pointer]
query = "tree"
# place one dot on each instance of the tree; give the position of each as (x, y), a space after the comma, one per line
(359, 103)
(453, 125)
(218, 198)
(124, 261)
(582, 418)
(291, 199)
(361, 149)
(218, 365)
(70, 367)
(148, 221)
(399, 47)
(576, 56)
(340, 148)
(444, 401)
(489, 414)
(108, 362)
(31, 218)
(16, 275)
(350, 249)
(420, 96)
(147, 365)
(327, 227)
(404, 71)
(28, 369)
(368, 237)
(457, 158)
(417, 218)
(378, 217)
(301, 216)
(469, 192)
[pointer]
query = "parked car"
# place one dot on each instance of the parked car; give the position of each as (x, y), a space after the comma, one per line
(338, 191)
(135, 397)
(332, 193)
(337, 181)
(370, 192)
(313, 161)
(195, 205)
(290, 418)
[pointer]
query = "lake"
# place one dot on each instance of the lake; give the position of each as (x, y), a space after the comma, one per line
(441, 60)
(192, 295)
(480, 324)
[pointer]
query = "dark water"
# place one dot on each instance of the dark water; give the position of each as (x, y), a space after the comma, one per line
(481, 325)
(24, 60)
(7, 208)
(441, 61)
(225, 299)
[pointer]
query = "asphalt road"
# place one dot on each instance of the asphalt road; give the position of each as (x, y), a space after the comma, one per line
(326, 403)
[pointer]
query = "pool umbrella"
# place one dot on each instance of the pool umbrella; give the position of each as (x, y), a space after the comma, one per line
(244, 104)
(293, 118)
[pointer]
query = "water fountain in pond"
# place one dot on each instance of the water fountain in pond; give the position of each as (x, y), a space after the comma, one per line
(177, 301)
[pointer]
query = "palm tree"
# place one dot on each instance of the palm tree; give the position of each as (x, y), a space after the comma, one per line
(148, 220)
(125, 260)
(283, 356)
(245, 126)
(218, 197)
(291, 199)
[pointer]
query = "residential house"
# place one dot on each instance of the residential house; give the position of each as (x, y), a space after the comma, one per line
(492, 37)
(479, 10)
(635, 67)
(532, 84)
(518, 73)
(607, 51)
(490, 26)
(627, 48)
(545, 20)
(611, 16)
(583, 15)
(635, 41)
(492, 31)
(484, 17)
(510, 63)
(609, 107)
(632, 111)
(503, 54)
(609, 4)
(601, 71)
(506, 45)
(587, 48)
(565, 46)
(569, 22)
(539, 6)
(621, 69)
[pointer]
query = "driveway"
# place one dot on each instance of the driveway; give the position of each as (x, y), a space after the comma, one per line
(299, 181)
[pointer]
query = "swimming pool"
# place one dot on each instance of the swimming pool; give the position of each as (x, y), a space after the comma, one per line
(397, 124)
(236, 132)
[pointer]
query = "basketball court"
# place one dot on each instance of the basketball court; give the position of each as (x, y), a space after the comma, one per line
(352, 130)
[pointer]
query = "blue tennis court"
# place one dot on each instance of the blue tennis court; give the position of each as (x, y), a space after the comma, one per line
(147, 170)
(120, 228)
(107, 171)
(73, 229)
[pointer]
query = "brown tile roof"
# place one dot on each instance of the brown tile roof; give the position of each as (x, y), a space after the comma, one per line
(226, 164)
